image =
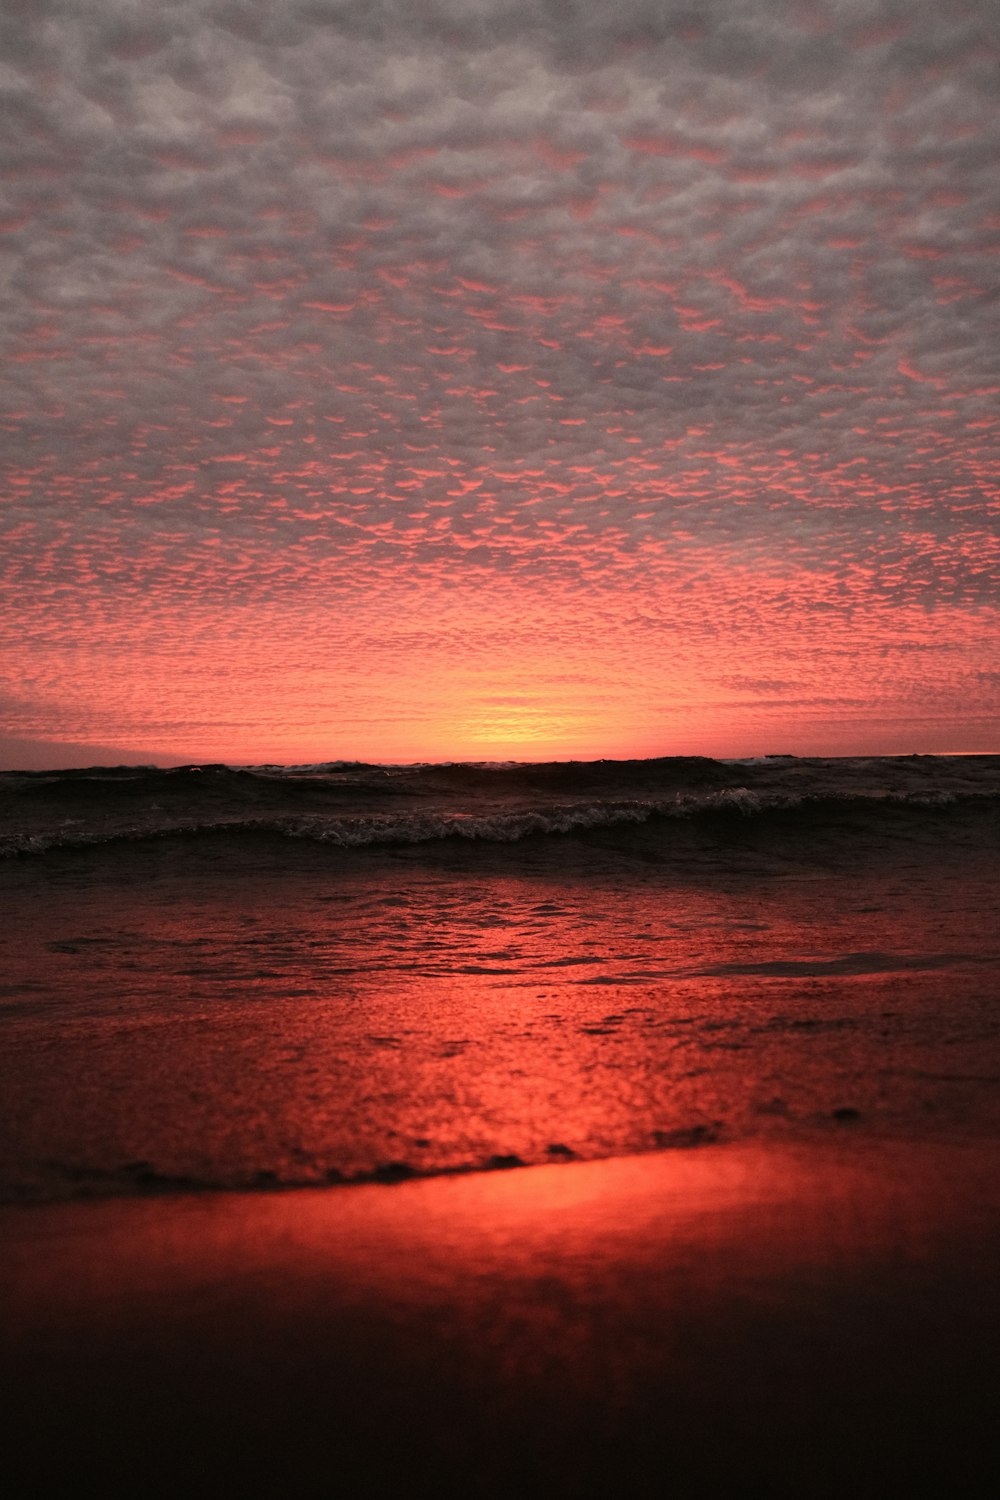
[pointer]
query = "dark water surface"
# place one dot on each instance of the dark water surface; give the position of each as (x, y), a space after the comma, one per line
(245, 1000)
(761, 998)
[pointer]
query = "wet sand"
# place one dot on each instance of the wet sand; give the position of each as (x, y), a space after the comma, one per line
(809, 1318)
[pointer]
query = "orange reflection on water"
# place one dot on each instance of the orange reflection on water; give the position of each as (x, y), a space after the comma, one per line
(309, 1019)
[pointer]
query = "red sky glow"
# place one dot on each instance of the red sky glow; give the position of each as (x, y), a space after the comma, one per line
(498, 379)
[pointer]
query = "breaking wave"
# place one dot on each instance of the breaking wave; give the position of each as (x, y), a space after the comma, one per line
(358, 830)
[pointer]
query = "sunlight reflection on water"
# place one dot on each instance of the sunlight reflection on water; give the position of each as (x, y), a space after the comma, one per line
(227, 1020)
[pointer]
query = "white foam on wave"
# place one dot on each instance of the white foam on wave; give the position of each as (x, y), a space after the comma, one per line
(495, 825)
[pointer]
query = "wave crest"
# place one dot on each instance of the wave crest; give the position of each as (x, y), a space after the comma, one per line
(358, 830)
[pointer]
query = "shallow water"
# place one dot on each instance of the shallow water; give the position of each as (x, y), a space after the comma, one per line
(255, 1011)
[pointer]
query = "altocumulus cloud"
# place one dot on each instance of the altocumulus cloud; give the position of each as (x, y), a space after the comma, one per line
(344, 340)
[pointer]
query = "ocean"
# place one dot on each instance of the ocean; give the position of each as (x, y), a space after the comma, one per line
(271, 977)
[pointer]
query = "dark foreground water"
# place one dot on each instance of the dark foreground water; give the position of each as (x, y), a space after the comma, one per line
(220, 978)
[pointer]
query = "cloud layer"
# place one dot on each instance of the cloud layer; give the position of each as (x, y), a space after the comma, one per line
(411, 379)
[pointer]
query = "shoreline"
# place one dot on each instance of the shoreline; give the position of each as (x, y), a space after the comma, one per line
(807, 1315)
(841, 1129)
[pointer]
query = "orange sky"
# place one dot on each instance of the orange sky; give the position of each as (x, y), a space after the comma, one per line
(482, 383)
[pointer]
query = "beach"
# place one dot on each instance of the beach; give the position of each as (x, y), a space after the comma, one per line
(559, 1130)
(786, 1319)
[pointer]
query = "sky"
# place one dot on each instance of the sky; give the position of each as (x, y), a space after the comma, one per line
(435, 379)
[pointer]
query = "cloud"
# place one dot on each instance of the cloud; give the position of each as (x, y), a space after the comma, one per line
(321, 311)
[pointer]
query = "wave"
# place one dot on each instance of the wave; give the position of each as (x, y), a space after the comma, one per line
(358, 830)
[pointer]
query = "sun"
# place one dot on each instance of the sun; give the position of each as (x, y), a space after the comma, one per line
(519, 731)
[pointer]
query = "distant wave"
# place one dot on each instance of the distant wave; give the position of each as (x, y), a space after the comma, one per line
(356, 830)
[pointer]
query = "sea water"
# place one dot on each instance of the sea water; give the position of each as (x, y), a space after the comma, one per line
(264, 977)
